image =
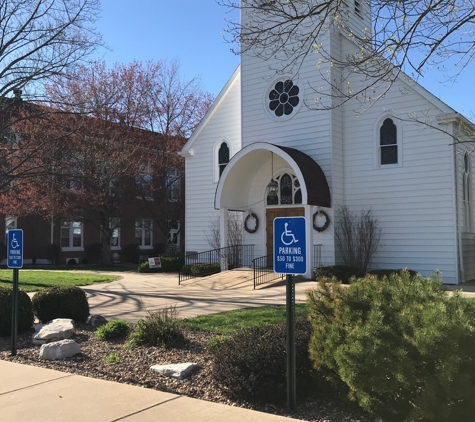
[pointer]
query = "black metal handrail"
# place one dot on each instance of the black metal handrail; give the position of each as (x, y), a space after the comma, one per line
(264, 270)
(317, 256)
(202, 264)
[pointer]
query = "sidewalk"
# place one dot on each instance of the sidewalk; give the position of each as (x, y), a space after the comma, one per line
(32, 394)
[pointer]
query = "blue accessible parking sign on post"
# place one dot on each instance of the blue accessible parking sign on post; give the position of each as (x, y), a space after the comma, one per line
(290, 250)
(15, 249)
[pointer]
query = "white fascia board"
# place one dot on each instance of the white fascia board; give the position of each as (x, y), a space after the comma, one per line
(232, 80)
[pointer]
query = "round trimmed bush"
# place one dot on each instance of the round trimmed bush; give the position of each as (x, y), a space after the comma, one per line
(251, 365)
(25, 311)
(61, 302)
(113, 329)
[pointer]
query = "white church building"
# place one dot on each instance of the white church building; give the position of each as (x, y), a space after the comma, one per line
(413, 176)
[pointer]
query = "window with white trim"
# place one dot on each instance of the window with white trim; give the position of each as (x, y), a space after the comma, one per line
(72, 235)
(223, 157)
(173, 185)
(467, 192)
(174, 236)
(388, 147)
(143, 233)
(115, 238)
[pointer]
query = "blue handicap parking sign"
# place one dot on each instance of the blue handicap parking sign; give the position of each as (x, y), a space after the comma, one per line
(15, 249)
(290, 246)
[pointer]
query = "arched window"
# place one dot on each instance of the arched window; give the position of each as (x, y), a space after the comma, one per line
(289, 191)
(223, 157)
(466, 194)
(388, 148)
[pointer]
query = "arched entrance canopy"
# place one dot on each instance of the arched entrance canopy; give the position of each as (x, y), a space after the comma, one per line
(236, 180)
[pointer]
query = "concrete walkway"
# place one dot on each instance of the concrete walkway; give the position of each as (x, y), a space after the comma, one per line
(32, 394)
(136, 294)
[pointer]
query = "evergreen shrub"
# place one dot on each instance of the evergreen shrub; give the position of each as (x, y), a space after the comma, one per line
(251, 364)
(403, 347)
(61, 302)
(113, 329)
(25, 311)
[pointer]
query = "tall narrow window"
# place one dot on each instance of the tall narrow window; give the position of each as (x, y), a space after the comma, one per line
(143, 233)
(173, 185)
(223, 157)
(388, 143)
(174, 236)
(143, 181)
(466, 194)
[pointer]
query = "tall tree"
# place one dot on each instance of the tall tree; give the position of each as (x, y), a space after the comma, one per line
(38, 40)
(105, 155)
(405, 35)
(42, 38)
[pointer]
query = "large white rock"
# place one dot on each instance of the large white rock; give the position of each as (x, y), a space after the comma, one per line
(59, 350)
(57, 329)
(179, 370)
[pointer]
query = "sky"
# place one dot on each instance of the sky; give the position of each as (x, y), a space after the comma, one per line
(191, 31)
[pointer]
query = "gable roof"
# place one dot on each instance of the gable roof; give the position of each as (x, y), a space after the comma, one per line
(204, 121)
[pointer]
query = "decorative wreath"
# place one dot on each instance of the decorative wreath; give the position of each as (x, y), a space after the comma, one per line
(327, 221)
(251, 215)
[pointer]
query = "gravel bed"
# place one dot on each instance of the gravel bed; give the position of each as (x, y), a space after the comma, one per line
(134, 369)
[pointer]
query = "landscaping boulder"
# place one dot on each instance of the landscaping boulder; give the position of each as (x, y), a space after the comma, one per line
(57, 329)
(59, 350)
(179, 370)
(97, 321)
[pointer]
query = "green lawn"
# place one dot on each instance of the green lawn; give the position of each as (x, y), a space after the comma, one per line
(225, 323)
(32, 281)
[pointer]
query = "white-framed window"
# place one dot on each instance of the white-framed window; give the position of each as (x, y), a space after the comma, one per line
(72, 235)
(467, 192)
(143, 181)
(222, 155)
(114, 224)
(10, 224)
(388, 144)
(174, 236)
(173, 185)
(143, 233)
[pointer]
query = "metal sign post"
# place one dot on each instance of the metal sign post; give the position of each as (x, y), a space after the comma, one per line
(15, 261)
(290, 254)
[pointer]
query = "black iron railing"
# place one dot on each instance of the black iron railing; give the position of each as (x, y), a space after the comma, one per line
(210, 262)
(264, 270)
(317, 256)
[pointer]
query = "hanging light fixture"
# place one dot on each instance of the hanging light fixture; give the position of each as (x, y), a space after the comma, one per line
(273, 186)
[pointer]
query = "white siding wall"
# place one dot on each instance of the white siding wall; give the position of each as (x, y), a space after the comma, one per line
(225, 123)
(413, 202)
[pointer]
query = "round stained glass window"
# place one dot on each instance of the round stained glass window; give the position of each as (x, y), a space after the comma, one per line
(283, 98)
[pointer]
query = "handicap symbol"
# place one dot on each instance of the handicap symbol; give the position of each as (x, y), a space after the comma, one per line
(288, 235)
(14, 242)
